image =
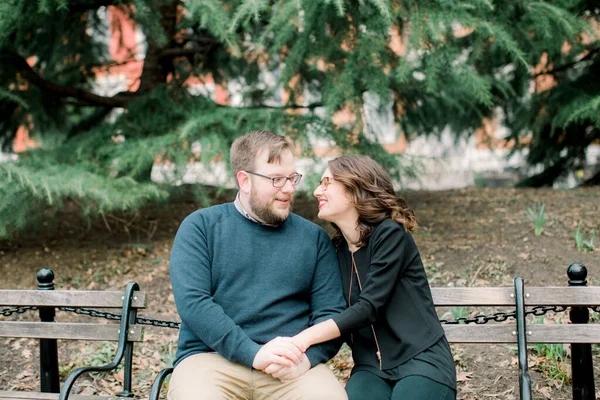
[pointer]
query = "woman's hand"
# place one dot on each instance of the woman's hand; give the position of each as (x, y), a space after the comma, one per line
(302, 341)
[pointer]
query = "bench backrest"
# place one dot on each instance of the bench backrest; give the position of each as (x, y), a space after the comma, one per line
(504, 298)
(94, 329)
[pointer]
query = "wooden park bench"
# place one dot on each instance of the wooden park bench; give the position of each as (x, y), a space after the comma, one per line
(47, 300)
(578, 296)
(523, 300)
(579, 334)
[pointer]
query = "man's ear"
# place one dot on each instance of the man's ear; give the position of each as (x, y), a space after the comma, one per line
(244, 182)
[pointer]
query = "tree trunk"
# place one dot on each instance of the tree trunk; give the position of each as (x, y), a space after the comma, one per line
(156, 68)
(593, 181)
(546, 177)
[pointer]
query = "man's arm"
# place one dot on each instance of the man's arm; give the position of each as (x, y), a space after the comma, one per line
(326, 300)
(191, 280)
(326, 297)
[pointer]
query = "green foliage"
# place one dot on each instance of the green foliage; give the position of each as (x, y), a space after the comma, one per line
(433, 271)
(580, 110)
(563, 119)
(167, 353)
(460, 312)
(551, 362)
(455, 313)
(458, 62)
(581, 242)
(536, 214)
(31, 192)
(91, 356)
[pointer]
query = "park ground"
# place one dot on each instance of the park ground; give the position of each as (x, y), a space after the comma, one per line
(471, 237)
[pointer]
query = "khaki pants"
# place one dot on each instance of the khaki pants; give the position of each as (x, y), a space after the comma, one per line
(209, 376)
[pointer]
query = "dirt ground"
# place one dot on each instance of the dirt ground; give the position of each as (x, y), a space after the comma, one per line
(472, 237)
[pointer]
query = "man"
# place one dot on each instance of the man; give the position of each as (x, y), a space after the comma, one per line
(248, 275)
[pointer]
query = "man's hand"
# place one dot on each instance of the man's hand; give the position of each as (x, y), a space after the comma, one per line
(289, 373)
(281, 351)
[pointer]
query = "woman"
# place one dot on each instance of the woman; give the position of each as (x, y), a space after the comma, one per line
(398, 345)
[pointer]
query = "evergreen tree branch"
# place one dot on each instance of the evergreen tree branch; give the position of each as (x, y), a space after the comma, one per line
(197, 39)
(311, 106)
(182, 52)
(88, 123)
(91, 5)
(591, 54)
(21, 65)
(101, 66)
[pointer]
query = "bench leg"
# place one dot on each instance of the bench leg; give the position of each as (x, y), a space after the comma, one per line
(128, 361)
(49, 378)
(127, 372)
(582, 366)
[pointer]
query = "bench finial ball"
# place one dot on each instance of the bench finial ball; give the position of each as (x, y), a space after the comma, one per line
(45, 276)
(577, 274)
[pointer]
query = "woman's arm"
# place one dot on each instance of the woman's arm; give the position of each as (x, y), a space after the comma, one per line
(390, 255)
(319, 333)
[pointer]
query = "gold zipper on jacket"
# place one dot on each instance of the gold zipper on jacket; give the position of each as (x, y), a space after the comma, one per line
(354, 269)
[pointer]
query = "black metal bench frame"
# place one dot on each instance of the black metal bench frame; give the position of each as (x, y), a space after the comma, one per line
(578, 333)
(46, 300)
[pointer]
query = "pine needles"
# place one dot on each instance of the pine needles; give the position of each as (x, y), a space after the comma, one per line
(293, 67)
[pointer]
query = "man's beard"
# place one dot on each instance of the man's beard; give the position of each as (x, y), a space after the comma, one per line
(266, 214)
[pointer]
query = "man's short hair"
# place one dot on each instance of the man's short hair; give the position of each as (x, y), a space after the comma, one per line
(245, 149)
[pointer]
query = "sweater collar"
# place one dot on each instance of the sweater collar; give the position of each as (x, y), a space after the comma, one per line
(240, 208)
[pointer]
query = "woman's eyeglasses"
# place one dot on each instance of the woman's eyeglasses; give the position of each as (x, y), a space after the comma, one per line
(325, 182)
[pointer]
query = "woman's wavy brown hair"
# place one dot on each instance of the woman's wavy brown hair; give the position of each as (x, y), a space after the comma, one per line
(371, 191)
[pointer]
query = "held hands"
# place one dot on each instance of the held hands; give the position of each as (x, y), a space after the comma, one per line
(289, 373)
(283, 358)
(280, 350)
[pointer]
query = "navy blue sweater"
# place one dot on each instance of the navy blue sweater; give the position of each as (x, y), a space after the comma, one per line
(238, 284)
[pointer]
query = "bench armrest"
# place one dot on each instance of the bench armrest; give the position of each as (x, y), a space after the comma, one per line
(525, 380)
(120, 353)
(158, 382)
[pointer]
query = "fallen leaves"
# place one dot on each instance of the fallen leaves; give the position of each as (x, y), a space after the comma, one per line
(503, 394)
(26, 354)
(457, 241)
(25, 375)
(545, 391)
(464, 376)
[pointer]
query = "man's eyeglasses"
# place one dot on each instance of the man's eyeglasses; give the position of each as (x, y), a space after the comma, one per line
(325, 182)
(280, 181)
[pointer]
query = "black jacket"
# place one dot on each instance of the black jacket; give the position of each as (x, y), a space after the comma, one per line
(393, 314)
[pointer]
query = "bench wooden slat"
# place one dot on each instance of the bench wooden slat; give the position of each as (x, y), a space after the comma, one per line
(501, 296)
(540, 333)
(563, 333)
(69, 298)
(473, 296)
(67, 330)
(498, 333)
(557, 296)
(5, 394)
